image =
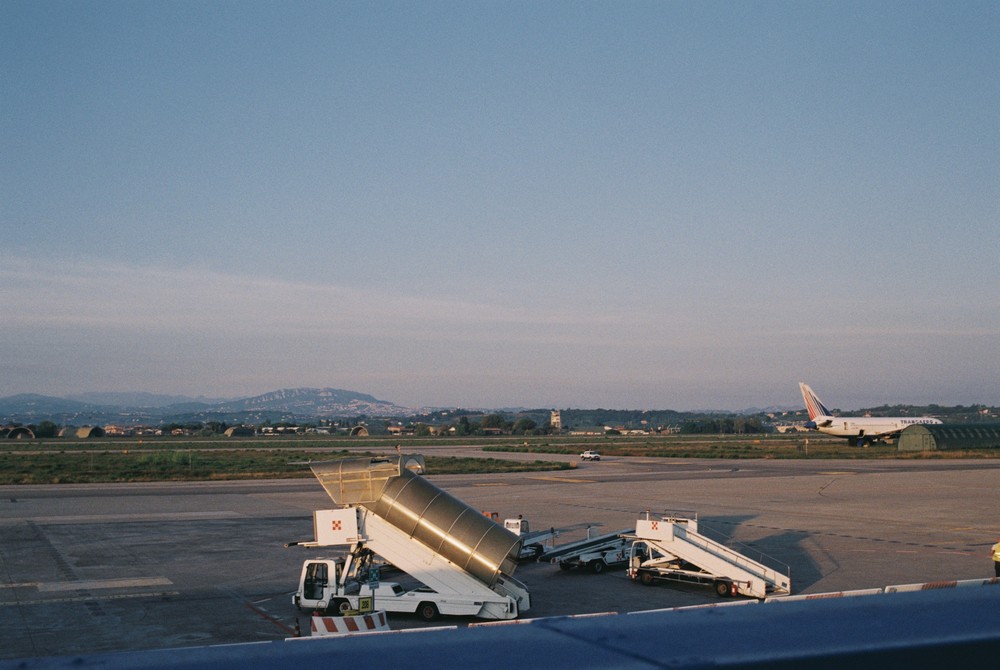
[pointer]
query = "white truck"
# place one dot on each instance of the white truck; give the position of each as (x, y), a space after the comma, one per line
(463, 560)
(594, 553)
(669, 547)
(532, 542)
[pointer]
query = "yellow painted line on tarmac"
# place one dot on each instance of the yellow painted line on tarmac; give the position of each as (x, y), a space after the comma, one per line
(564, 480)
(838, 472)
(493, 484)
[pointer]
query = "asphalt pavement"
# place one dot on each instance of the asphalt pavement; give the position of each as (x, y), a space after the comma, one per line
(91, 568)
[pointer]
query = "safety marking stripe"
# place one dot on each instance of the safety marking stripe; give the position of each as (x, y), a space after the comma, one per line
(127, 518)
(84, 599)
(92, 584)
(563, 480)
(19, 585)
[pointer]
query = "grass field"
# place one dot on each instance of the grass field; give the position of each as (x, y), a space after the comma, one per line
(176, 458)
(190, 464)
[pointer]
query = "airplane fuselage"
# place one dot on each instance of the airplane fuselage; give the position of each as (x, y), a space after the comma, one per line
(869, 427)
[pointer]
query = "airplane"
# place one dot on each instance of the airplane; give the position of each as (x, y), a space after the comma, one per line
(858, 430)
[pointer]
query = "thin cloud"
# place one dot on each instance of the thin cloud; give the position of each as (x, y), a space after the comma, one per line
(190, 300)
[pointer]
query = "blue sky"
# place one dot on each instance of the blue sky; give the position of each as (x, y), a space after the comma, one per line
(547, 204)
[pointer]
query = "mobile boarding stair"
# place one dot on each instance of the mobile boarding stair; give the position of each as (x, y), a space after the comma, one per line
(670, 547)
(465, 560)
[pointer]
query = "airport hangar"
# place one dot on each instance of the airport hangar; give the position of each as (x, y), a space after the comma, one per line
(949, 437)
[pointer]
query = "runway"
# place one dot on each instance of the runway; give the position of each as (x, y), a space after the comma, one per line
(89, 568)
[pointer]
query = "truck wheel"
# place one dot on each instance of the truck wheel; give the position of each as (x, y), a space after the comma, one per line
(341, 606)
(596, 566)
(723, 589)
(566, 566)
(646, 578)
(428, 611)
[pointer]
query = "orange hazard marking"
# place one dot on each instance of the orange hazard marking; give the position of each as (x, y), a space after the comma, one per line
(337, 525)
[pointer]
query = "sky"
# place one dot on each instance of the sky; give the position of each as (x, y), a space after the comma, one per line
(627, 205)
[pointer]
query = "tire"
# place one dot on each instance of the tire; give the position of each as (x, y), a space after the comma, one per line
(428, 611)
(596, 566)
(340, 606)
(723, 589)
(646, 578)
(566, 566)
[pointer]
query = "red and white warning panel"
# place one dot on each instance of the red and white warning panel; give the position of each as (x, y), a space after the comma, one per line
(336, 526)
(376, 622)
(654, 529)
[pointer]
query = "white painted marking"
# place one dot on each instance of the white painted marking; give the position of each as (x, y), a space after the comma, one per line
(123, 518)
(95, 584)
(84, 599)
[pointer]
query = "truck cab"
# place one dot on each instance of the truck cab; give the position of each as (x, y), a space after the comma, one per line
(532, 545)
(320, 585)
(518, 526)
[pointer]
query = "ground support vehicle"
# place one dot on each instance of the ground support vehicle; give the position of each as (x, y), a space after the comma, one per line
(533, 543)
(596, 554)
(463, 560)
(590, 455)
(669, 547)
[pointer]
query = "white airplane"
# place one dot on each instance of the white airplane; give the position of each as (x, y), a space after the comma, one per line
(858, 430)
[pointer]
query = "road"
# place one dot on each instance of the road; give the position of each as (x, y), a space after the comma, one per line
(89, 568)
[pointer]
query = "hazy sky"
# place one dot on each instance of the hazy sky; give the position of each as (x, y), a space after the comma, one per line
(549, 204)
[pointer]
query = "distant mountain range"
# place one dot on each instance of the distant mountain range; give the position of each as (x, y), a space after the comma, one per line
(306, 405)
(140, 399)
(148, 408)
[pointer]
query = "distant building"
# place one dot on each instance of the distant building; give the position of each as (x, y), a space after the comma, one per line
(279, 430)
(17, 433)
(949, 437)
(589, 431)
(87, 432)
(556, 420)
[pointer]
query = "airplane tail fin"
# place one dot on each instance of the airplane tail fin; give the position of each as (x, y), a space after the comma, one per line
(813, 405)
